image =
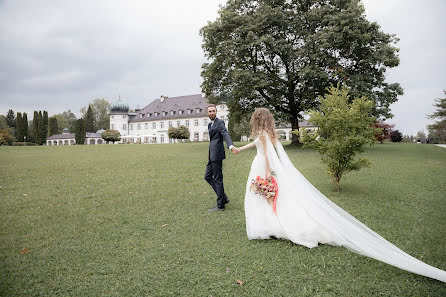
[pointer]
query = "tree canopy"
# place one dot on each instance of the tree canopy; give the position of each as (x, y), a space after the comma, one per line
(437, 131)
(282, 55)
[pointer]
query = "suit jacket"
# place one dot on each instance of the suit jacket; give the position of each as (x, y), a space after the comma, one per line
(218, 133)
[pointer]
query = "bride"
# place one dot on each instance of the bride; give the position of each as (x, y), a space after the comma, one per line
(303, 214)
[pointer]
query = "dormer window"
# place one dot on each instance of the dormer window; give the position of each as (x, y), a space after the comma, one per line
(172, 112)
(198, 110)
(156, 114)
(149, 115)
(189, 111)
(164, 113)
(180, 111)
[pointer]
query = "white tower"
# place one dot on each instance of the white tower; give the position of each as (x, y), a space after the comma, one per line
(119, 117)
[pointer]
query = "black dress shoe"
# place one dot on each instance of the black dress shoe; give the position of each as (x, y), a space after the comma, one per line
(216, 209)
(227, 201)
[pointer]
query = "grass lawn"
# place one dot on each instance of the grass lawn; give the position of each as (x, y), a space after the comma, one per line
(131, 220)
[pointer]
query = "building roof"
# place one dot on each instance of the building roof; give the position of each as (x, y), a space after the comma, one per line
(71, 136)
(119, 107)
(169, 105)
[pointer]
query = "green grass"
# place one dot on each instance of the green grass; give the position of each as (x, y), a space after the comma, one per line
(93, 222)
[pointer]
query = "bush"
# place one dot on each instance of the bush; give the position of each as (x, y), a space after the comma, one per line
(111, 135)
(396, 136)
(17, 143)
(6, 138)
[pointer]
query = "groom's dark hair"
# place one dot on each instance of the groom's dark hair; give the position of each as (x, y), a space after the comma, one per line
(211, 105)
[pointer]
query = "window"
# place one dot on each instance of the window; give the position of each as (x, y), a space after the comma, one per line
(164, 113)
(178, 123)
(124, 127)
(187, 123)
(141, 115)
(113, 117)
(131, 126)
(172, 112)
(124, 117)
(162, 138)
(170, 123)
(113, 126)
(139, 126)
(180, 111)
(162, 125)
(196, 122)
(146, 126)
(153, 125)
(196, 136)
(156, 114)
(149, 115)
(189, 111)
(205, 122)
(198, 110)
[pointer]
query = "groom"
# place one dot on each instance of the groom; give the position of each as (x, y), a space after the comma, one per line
(214, 168)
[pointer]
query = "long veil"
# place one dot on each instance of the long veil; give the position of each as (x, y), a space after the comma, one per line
(335, 226)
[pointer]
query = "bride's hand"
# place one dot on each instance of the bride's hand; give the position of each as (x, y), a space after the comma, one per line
(268, 173)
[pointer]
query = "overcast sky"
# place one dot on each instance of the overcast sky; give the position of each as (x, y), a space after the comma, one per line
(60, 55)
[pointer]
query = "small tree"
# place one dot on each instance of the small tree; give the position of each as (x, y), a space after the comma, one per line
(79, 131)
(36, 127)
(41, 129)
(111, 135)
(396, 136)
(344, 130)
(183, 132)
(10, 119)
(45, 125)
(384, 131)
(421, 136)
(53, 126)
(89, 120)
(173, 132)
(18, 127)
(5, 137)
(25, 126)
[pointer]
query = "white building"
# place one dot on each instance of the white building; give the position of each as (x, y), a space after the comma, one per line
(150, 124)
(67, 138)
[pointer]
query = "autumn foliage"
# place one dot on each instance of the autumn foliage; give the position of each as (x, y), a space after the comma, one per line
(386, 129)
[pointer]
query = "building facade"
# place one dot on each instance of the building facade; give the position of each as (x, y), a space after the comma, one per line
(151, 123)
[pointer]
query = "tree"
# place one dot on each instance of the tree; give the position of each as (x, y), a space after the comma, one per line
(183, 132)
(89, 120)
(284, 54)
(437, 131)
(4, 125)
(79, 131)
(173, 132)
(25, 127)
(111, 135)
(18, 127)
(5, 137)
(101, 113)
(41, 129)
(239, 128)
(344, 130)
(10, 118)
(53, 126)
(384, 130)
(396, 136)
(36, 127)
(421, 136)
(45, 124)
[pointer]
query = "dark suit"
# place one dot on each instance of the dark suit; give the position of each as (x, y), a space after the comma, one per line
(214, 168)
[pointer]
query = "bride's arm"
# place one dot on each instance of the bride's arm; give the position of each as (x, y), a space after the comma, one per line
(247, 146)
(267, 168)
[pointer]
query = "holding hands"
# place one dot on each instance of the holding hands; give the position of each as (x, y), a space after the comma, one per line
(235, 150)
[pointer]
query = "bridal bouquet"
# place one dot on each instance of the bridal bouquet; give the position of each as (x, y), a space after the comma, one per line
(267, 188)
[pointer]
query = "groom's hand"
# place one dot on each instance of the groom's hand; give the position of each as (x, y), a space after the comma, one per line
(235, 150)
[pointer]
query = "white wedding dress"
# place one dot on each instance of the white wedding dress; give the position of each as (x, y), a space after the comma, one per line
(305, 216)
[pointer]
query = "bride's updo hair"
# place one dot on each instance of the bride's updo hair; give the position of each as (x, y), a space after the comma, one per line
(263, 120)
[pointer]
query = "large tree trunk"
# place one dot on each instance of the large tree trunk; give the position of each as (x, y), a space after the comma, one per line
(295, 127)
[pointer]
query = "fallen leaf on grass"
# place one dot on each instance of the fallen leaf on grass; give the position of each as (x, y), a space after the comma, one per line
(204, 193)
(25, 195)
(130, 192)
(49, 204)
(239, 282)
(25, 251)
(165, 225)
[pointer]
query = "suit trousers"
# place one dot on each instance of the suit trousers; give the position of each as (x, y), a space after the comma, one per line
(214, 176)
